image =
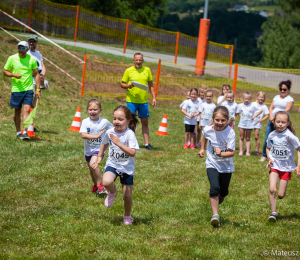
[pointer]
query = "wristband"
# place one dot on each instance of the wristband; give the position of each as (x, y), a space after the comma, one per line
(38, 89)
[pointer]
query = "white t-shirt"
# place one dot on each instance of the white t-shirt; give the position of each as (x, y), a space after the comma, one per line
(191, 108)
(116, 157)
(281, 103)
(207, 110)
(259, 107)
(247, 111)
(181, 105)
(220, 99)
(93, 127)
(282, 150)
(232, 108)
(201, 102)
(221, 139)
(39, 58)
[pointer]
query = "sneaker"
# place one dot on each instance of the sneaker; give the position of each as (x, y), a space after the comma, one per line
(256, 153)
(100, 189)
(109, 201)
(149, 147)
(24, 137)
(185, 146)
(127, 220)
(221, 199)
(94, 189)
(272, 217)
(18, 135)
(215, 220)
(189, 143)
(240, 153)
(192, 147)
(197, 145)
(263, 159)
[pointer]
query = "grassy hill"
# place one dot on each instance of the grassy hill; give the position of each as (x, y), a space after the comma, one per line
(48, 210)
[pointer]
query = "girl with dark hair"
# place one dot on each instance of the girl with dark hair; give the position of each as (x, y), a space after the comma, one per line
(123, 145)
(282, 102)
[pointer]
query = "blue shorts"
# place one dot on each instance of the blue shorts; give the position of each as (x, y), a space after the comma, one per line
(88, 158)
(124, 177)
(141, 108)
(19, 98)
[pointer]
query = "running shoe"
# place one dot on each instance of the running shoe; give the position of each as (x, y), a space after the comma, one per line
(94, 189)
(272, 217)
(24, 137)
(100, 189)
(185, 146)
(127, 220)
(109, 201)
(192, 147)
(18, 135)
(197, 145)
(263, 159)
(149, 147)
(221, 199)
(215, 220)
(256, 153)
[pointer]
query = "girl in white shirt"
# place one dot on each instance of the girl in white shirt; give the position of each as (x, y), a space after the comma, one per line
(281, 146)
(219, 164)
(222, 99)
(246, 126)
(207, 109)
(91, 130)
(258, 105)
(123, 145)
(190, 109)
(231, 106)
(188, 97)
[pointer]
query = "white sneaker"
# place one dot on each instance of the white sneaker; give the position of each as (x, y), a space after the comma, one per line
(45, 85)
(263, 159)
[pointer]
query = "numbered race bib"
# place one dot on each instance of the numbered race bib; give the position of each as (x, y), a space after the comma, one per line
(117, 155)
(207, 115)
(279, 152)
(215, 156)
(95, 142)
(246, 116)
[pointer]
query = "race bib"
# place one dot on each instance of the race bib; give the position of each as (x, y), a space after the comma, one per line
(215, 156)
(95, 142)
(246, 116)
(279, 152)
(117, 155)
(207, 115)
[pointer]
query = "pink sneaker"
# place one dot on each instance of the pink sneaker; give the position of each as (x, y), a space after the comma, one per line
(192, 147)
(109, 201)
(127, 220)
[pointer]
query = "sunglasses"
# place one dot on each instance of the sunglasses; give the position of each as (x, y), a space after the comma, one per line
(283, 89)
(22, 48)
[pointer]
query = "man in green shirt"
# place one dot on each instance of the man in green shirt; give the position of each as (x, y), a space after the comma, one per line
(20, 67)
(136, 97)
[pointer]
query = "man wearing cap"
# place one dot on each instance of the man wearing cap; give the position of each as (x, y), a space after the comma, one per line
(137, 98)
(20, 67)
(32, 42)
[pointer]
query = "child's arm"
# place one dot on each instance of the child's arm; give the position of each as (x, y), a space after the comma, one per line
(203, 145)
(200, 121)
(228, 154)
(89, 136)
(222, 100)
(297, 169)
(270, 163)
(129, 151)
(263, 119)
(100, 154)
(184, 112)
(257, 114)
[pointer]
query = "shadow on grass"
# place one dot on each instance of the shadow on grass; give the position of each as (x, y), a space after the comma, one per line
(49, 132)
(118, 221)
(291, 216)
(38, 140)
(227, 222)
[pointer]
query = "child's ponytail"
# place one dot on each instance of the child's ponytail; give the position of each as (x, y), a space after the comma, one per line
(290, 126)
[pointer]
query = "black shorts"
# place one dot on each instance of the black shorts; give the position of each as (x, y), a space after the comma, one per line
(189, 128)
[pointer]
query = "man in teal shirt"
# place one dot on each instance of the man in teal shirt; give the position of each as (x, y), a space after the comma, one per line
(20, 67)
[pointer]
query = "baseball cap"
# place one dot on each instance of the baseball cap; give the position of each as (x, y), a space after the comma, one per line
(33, 37)
(23, 43)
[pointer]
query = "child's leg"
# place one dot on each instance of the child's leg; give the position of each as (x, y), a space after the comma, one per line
(127, 197)
(257, 139)
(198, 134)
(186, 137)
(282, 188)
(224, 183)
(274, 176)
(92, 174)
(248, 142)
(95, 173)
(213, 177)
(241, 141)
(108, 181)
(192, 138)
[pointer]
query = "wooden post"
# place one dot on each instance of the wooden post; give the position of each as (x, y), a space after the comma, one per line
(235, 77)
(176, 48)
(126, 34)
(231, 58)
(83, 75)
(30, 15)
(202, 46)
(157, 77)
(76, 24)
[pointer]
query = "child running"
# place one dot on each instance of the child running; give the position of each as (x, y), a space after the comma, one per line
(246, 123)
(281, 146)
(222, 99)
(190, 109)
(219, 163)
(91, 131)
(258, 105)
(120, 162)
(207, 109)
(231, 106)
(202, 100)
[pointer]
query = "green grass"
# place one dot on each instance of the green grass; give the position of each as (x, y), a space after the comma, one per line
(48, 211)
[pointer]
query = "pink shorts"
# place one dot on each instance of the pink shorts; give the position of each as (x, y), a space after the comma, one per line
(282, 175)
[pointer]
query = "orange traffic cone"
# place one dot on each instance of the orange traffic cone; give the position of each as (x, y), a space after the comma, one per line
(76, 121)
(30, 130)
(162, 130)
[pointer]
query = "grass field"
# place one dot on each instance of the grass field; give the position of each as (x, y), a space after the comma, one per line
(48, 210)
